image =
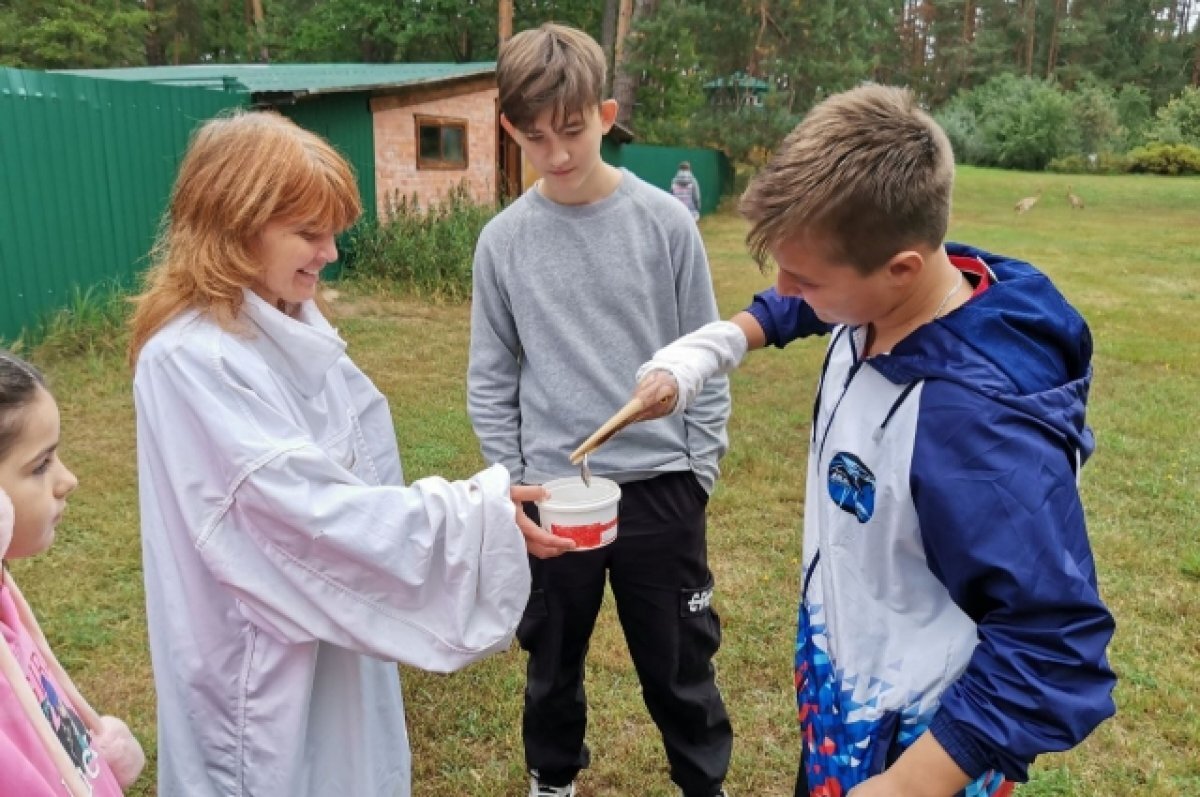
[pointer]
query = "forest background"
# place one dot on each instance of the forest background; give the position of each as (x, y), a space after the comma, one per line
(1074, 85)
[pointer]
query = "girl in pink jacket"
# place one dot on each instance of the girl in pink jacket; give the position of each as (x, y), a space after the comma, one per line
(51, 741)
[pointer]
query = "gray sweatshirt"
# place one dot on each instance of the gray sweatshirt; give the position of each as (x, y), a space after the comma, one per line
(568, 302)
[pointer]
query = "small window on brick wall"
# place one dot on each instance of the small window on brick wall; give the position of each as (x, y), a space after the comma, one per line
(441, 143)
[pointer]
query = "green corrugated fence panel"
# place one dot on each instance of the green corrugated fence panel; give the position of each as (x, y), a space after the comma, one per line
(657, 165)
(344, 120)
(86, 167)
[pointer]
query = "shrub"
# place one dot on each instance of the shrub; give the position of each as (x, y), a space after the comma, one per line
(1097, 116)
(426, 250)
(1029, 126)
(1133, 108)
(962, 128)
(1013, 122)
(1170, 159)
(1178, 121)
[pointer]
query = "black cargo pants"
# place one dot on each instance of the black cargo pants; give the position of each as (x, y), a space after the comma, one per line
(658, 567)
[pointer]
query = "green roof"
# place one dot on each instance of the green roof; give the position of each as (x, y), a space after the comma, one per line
(296, 79)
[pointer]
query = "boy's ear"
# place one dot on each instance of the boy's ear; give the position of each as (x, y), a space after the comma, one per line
(905, 267)
(608, 114)
(507, 125)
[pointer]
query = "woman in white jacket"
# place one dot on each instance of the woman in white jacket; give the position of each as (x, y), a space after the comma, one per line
(286, 563)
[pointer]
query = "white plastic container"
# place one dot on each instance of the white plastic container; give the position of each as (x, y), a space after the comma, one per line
(585, 514)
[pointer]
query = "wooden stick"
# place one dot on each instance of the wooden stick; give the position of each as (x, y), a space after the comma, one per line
(613, 425)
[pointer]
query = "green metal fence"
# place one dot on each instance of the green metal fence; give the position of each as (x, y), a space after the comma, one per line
(657, 165)
(86, 167)
(345, 121)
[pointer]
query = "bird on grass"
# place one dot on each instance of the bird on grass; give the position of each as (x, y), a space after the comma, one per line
(1024, 205)
(1075, 200)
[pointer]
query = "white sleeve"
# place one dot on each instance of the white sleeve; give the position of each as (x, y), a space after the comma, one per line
(434, 575)
(713, 350)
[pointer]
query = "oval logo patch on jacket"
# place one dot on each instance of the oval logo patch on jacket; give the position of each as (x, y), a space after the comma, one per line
(852, 485)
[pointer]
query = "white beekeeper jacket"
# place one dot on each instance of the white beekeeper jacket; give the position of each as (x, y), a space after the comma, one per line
(287, 566)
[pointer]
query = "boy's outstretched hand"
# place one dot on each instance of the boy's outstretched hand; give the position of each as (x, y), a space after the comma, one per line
(658, 391)
(712, 350)
(538, 541)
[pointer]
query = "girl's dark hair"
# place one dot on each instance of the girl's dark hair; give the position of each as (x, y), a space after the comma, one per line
(19, 383)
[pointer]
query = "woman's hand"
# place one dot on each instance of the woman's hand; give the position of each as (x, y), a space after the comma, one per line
(538, 541)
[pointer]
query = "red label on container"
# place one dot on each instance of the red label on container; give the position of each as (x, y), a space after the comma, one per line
(589, 535)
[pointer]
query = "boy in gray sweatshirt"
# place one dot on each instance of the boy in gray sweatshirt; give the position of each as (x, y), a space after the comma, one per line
(576, 283)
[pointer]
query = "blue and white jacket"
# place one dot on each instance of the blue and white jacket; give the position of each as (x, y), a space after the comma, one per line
(948, 581)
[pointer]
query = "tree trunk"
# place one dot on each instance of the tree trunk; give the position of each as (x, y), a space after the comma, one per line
(1196, 66)
(968, 36)
(506, 20)
(625, 82)
(913, 37)
(256, 30)
(1184, 20)
(155, 54)
(464, 46)
(756, 55)
(1030, 31)
(608, 38)
(927, 64)
(917, 64)
(1053, 55)
(624, 88)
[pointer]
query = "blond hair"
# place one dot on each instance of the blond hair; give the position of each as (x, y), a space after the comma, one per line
(241, 172)
(553, 66)
(867, 171)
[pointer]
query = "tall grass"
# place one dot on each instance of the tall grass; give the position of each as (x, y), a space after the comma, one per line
(92, 323)
(424, 250)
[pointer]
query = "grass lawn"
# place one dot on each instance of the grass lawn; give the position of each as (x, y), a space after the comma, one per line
(1129, 262)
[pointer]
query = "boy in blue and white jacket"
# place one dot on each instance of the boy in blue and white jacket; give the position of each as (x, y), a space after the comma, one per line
(950, 625)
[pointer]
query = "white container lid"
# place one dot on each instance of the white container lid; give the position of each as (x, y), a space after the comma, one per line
(572, 495)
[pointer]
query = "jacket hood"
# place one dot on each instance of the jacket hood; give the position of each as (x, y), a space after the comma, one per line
(1019, 342)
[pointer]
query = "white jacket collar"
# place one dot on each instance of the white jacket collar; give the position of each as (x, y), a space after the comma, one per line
(302, 349)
